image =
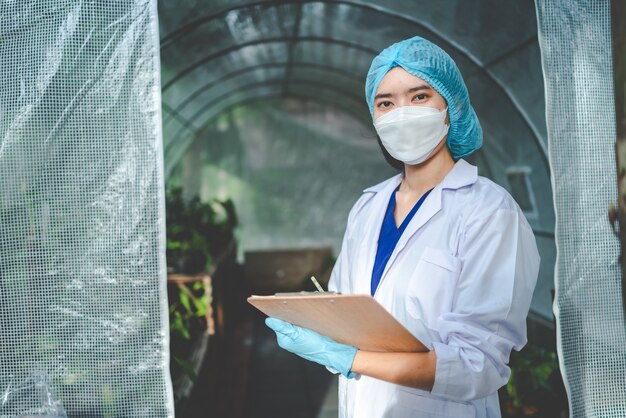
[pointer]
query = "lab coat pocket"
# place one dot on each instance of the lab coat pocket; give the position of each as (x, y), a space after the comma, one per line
(431, 287)
(414, 405)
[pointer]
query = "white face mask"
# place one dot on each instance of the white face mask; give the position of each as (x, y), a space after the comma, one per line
(411, 133)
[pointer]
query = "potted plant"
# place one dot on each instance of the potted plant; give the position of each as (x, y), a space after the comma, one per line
(199, 235)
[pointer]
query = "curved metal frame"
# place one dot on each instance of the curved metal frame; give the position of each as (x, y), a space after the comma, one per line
(271, 82)
(385, 11)
(227, 94)
(170, 37)
(260, 98)
(211, 57)
(244, 70)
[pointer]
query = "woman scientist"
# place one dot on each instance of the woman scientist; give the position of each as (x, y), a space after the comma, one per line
(437, 246)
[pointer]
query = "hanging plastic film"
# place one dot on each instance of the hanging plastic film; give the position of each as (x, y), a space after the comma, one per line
(575, 39)
(83, 309)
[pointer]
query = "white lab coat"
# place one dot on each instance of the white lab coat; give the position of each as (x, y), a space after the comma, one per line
(466, 267)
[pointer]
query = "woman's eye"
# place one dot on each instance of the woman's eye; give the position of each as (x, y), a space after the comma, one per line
(419, 97)
(384, 105)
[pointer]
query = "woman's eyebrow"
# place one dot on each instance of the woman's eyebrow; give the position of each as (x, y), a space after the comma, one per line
(411, 90)
(382, 96)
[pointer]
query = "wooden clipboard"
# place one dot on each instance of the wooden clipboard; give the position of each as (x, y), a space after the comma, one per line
(357, 320)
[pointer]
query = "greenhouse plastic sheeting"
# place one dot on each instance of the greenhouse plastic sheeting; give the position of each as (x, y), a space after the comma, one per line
(83, 310)
(575, 40)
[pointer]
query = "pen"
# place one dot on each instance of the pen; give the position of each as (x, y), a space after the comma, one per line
(316, 283)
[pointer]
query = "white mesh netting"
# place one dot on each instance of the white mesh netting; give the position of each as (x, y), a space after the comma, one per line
(83, 310)
(575, 39)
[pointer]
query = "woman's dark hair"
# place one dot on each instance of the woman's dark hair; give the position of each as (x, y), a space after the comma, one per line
(397, 164)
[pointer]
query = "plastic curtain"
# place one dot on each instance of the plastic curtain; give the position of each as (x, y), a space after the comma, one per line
(575, 39)
(83, 308)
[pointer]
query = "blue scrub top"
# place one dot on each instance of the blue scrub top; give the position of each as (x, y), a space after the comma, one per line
(390, 235)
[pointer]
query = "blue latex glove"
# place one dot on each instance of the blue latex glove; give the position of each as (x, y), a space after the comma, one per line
(313, 347)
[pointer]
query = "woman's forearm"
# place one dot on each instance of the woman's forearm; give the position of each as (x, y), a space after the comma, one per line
(408, 369)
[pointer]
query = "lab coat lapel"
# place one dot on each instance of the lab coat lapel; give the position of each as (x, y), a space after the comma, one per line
(462, 174)
(371, 232)
(429, 208)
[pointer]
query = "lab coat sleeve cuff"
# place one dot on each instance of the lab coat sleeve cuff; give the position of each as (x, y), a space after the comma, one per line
(443, 370)
(351, 375)
(333, 371)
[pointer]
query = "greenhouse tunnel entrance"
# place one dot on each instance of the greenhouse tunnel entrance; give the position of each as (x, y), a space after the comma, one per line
(263, 104)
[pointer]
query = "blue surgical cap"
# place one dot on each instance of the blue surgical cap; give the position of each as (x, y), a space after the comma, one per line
(432, 64)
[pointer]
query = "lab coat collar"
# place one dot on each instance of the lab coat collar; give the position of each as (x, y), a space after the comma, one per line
(462, 174)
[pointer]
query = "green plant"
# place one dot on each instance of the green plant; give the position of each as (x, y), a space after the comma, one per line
(188, 305)
(188, 309)
(198, 235)
(533, 371)
(197, 231)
